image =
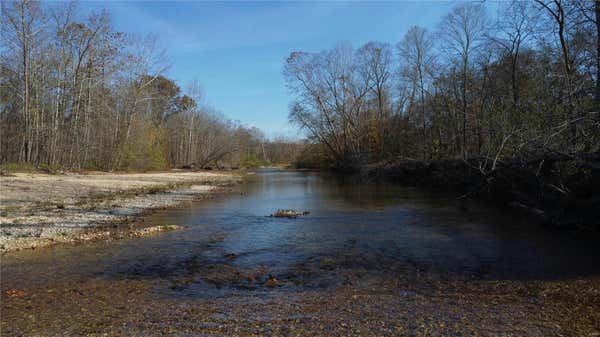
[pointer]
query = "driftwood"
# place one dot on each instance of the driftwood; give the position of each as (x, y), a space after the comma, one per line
(288, 213)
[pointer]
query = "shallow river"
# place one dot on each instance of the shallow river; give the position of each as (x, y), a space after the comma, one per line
(354, 229)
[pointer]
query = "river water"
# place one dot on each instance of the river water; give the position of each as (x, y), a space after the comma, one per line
(355, 232)
(351, 225)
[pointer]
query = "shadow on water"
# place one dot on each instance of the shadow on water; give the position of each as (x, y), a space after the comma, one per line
(354, 230)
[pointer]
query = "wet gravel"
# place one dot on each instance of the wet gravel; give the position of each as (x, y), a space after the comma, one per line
(369, 260)
(364, 304)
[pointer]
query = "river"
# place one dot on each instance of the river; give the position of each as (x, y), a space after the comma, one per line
(357, 236)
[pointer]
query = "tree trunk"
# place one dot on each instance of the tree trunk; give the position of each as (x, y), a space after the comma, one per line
(597, 96)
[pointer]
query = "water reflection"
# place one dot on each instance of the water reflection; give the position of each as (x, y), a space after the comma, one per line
(354, 228)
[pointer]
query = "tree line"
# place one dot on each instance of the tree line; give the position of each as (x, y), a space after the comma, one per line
(523, 85)
(77, 94)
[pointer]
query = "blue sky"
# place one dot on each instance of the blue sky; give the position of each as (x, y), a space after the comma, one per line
(237, 49)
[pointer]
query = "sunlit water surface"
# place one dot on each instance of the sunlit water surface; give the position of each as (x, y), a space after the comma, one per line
(354, 228)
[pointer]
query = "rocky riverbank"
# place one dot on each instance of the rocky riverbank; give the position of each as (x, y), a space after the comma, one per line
(409, 304)
(39, 210)
(368, 261)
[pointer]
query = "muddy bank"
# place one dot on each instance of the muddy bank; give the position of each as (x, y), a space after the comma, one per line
(39, 210)
(560, 194)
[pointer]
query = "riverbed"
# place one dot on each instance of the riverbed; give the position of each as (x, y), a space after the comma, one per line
(367, 259)
(39, 210)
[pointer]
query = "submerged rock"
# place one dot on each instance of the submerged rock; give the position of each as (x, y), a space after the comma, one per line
(272, 281)
(231, 256)
(288, 213)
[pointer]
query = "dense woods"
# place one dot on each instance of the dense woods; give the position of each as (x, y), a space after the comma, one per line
(507, 109)
(76, 94)
(519, 86)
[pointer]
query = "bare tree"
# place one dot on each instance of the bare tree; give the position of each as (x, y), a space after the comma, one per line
(597, 19)
(417, 61)
(375, 67)
(22, 23)
(516, 26)
(462, 33)
(557, 11)
(75, 93)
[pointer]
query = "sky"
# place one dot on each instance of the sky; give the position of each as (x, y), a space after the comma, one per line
(237, 50)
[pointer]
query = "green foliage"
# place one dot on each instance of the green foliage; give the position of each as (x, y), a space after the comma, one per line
(145, 151)
(8, 168)
(251, 161)
(49, 169)
(18, 167)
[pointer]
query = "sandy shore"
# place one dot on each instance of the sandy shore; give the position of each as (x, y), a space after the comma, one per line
(38, 210)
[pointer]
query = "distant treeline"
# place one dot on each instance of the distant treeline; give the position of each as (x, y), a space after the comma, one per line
(519, 87)
(80, 95)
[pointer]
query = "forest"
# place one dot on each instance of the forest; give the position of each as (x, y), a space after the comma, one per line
(81, 95)
(504, 105)
(501, 98)
(440, 176)
(523, 85)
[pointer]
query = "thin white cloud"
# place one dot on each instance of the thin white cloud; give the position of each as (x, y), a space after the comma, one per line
(217, 26)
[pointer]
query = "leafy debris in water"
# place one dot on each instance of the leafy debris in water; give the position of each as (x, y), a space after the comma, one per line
(288, 213)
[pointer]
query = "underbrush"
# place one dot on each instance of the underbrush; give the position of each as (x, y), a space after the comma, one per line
(559, 192)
